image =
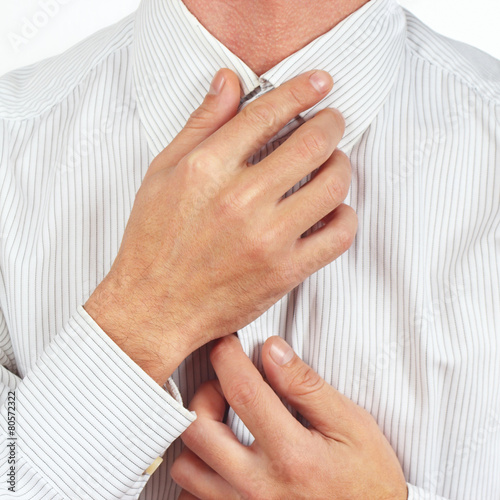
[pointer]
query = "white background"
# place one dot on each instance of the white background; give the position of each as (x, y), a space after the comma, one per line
(68, 21)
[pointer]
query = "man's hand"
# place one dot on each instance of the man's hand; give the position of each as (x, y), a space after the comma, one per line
(211, 243)
(342, 455)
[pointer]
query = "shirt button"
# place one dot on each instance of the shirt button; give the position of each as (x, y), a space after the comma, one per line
(153, 466)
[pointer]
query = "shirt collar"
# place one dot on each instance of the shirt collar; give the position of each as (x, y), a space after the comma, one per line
(175, 58)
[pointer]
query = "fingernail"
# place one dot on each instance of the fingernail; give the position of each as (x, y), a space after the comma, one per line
(320, 81)
(280, 352)
(217, 83)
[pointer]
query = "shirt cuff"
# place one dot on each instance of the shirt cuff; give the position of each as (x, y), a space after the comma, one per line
(89, 419)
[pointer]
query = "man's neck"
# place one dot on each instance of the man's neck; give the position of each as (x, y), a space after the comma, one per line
(264, 32)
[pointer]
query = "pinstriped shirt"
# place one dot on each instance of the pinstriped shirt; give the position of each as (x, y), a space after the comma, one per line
(406, 323)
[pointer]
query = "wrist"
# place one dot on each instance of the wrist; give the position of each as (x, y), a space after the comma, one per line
(140, 335)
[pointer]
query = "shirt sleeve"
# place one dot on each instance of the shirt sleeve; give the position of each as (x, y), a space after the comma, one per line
(86, 421)
(416, 493)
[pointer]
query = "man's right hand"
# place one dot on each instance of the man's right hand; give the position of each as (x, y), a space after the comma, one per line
(211, 243)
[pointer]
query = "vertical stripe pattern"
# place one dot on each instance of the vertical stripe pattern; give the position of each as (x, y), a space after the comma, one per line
(406, 323)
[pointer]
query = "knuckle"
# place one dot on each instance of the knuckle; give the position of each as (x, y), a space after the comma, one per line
(257, 249)
(335, 190)
(290, 457)
(232, 203)
(201, 118)
(313, 144)
(261, 246)
(238, 196)
(261, 115)
(305, 381)
(243, 394)
(315, 262)
(267, 238)
(297, 97)
(282, 466)
(256, 490)
(197, 163)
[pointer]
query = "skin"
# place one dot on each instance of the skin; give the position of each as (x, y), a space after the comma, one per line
(211, 244)
(342, 455)
(264, 32)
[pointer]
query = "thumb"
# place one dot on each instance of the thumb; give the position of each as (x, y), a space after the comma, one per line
(218, 107)
(328, 411)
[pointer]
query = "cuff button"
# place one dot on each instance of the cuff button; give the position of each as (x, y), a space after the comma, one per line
(156, 463)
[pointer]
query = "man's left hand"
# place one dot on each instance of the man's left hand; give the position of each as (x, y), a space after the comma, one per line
(341, 455)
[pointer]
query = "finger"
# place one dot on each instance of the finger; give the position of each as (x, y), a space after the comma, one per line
(209, 401)
(261, 120)
(214, 111)
(328, 411)
(196, 477)
(251, 398)
(308, 147)
(319, 196)
(215, 444)
(326, 243)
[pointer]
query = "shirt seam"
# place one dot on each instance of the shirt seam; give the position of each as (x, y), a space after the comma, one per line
(126, 45)
(483, 93)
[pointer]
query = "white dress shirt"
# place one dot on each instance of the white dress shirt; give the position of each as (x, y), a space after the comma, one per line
(406, 323)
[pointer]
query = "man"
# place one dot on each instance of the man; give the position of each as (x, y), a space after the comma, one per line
(131, 240)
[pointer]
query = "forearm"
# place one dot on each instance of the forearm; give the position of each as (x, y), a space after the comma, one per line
(87, 422)
(136, 332)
